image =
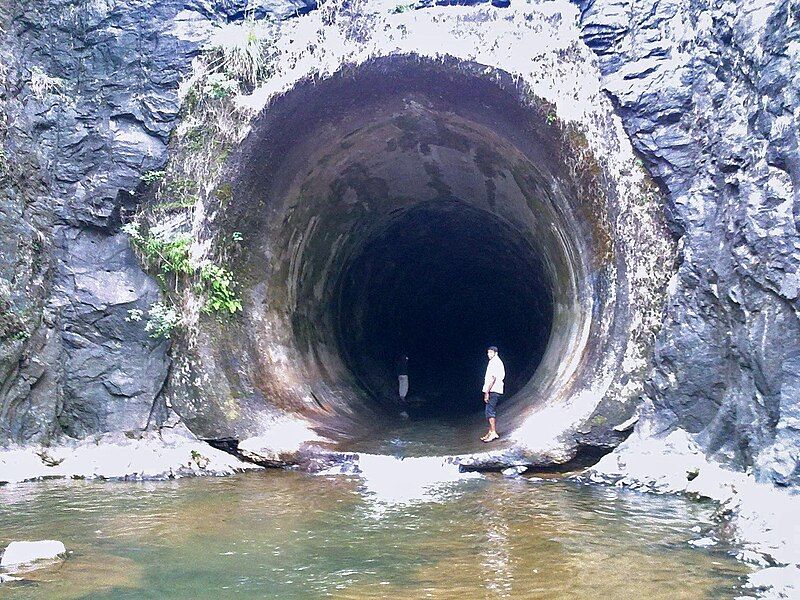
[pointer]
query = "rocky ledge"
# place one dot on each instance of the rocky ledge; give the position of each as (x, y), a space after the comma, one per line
(170, 454)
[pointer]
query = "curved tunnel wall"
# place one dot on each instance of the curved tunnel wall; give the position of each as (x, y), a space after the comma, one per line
(401, 189)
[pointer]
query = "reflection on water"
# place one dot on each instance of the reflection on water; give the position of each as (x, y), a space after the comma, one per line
(384, 535)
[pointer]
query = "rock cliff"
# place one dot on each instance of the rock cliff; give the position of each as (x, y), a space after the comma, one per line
(94, 97)
(709, 94)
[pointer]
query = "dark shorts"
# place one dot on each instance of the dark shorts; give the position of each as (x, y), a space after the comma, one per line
(491, 406)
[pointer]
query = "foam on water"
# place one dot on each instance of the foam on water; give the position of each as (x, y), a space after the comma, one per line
(389, 481)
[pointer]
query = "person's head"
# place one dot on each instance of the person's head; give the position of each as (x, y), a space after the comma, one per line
(491, 351)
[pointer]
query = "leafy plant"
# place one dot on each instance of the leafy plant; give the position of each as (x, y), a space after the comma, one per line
(170, 256)
(152, 177)
(162, 319)
(219, 290)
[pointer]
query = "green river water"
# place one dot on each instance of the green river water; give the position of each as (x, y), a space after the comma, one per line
(403, 529)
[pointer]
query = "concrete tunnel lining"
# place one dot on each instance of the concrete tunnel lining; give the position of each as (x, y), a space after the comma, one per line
(398, 167)
(341, 172)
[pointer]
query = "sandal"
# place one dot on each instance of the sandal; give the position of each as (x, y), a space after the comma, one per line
(490, 438)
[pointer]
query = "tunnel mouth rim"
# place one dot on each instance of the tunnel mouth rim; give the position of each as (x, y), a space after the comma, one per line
(565, 258)
(594, 275)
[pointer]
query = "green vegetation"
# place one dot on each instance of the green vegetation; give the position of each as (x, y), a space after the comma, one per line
(200, 460)
(401, 8)
(162, 319)
(169, 258)
(212, 123)
(174, 191)
(195, 138)
(152, 177)
(219, 85)
(162, 254)
(12, 323)
(20, 336)
(220, 296)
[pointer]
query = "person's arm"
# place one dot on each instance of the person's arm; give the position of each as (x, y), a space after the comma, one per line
(488, 389)
(489, 381)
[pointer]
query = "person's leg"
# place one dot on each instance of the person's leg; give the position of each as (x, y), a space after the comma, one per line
(491, 415)
(402, 391)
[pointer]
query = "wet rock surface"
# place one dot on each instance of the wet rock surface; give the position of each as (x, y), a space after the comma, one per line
(18, 554)
(709, 95)
(89, 96)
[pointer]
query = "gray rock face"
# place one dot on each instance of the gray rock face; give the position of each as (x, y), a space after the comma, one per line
(708, 93)
(90, 98)
(710, 96)
(89, 95)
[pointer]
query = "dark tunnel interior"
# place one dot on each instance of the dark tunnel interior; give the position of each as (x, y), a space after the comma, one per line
(440, 283)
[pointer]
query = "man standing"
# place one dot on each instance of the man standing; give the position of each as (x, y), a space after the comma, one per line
(402, 376)
(492, 389)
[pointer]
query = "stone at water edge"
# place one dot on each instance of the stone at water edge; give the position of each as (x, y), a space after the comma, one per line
(23, 553)
(514, 471)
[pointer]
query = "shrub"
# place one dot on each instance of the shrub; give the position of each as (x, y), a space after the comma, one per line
(170, 257)
(220, 296)
(153, 176)
(162, 319)
(242, 52)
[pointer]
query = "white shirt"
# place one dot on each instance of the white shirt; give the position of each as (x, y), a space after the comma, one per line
(495, 369)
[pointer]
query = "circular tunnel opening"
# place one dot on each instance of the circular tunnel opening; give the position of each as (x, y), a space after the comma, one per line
(430, 207)
(439, 284)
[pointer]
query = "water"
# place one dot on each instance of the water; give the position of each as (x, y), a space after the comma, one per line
(403, 530)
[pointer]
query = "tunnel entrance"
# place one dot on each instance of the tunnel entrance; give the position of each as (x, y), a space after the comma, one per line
(432, 207)
(435, 215)
(441, 283)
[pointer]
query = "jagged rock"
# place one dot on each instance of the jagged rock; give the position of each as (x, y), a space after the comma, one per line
(707, 93)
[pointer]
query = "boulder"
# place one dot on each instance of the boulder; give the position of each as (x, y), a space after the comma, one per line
(24, 553)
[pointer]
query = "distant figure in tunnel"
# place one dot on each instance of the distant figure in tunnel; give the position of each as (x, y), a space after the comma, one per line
(492, 389)
(402, 380)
